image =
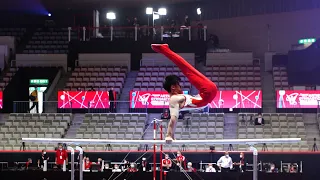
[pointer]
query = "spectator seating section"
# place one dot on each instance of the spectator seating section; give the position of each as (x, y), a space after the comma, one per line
(150, 78)
(49, 41)
(198, 126)
(276, 126)
(280, 78)
(98, 78)
(112, 126)
(235, 77)
(7, 78)
(33, 126)
(18, 33)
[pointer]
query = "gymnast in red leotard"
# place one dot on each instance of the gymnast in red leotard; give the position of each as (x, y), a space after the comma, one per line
(179, 101)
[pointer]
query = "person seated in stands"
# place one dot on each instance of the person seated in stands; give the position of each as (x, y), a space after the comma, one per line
(190, 168)
(132, 168)
(165, 114)
(259, 120)
(166, 163)
(87, 164)
(116, 168)
(210, 168)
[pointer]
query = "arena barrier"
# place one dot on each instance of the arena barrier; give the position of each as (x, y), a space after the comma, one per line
(250, 142)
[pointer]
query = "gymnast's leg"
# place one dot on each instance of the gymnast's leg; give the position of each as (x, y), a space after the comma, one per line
(207, 89)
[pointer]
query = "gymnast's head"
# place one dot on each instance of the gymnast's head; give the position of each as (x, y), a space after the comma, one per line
(172, 85)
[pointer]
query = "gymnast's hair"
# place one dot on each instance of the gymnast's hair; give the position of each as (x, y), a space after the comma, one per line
(169, 81)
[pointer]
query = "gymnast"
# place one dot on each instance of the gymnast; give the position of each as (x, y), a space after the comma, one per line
(179, 101)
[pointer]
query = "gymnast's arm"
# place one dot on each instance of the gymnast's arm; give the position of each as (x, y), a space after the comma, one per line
(174, 107)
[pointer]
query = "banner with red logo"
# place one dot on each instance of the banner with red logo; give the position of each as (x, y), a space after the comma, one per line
(1, 96)
(149, 99)
(83, 99)
(298, 99)
(224, 99)
(237, 99)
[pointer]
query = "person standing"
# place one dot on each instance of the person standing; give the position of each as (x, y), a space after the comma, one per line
(166, 163)
(111, 99)
(42, 159)
(241, 163)
(87, 164)
(180, 159)
(225, 162)
(61, 157)
(128, 28)
(34, 98)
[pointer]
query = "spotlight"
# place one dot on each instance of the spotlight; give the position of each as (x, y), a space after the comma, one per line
(198, 11)
(162, 11)
(149, 10)
(111, 15)
(49, 14)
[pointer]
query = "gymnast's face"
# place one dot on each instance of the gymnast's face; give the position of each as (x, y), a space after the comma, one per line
(176, 89)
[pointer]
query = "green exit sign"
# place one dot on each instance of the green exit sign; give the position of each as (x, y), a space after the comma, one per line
(39, 81)
(307, 41)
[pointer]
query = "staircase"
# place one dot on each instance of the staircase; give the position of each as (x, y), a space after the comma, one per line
(75, 125)
(123, 103)
(3, 118)
(268, 91)
(230, 130)
(312, 128)
(51, 105)
(148, 131)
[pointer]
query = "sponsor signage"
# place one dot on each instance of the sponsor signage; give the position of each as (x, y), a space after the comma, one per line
(83, 99)
(224, 99)
(298, 99)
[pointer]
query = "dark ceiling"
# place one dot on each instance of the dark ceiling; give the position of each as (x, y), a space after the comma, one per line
(75, 4)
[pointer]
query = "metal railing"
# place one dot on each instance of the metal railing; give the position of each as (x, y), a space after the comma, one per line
(77, 106)
(141, 32)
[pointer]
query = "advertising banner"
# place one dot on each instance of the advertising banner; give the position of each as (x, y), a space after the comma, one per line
(298, 99)
(224, 99)
(1, 97)
(83, 99)
(237, 99)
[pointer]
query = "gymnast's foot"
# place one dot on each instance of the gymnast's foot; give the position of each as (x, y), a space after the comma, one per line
(169, 139)
(159, 47)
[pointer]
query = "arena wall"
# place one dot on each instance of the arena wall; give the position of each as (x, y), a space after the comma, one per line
(251, 33)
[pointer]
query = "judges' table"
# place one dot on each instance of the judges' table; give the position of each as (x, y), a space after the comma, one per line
(51, 175)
